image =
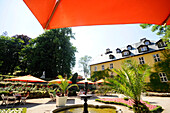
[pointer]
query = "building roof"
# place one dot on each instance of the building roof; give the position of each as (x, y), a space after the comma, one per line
(133, 52)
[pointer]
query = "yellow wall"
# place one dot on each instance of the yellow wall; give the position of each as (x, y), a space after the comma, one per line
(148, 58)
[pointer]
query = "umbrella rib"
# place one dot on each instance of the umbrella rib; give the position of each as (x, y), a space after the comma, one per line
(56, 5)
(166, 20)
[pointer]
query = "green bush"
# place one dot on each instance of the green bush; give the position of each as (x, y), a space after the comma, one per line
(156, 85)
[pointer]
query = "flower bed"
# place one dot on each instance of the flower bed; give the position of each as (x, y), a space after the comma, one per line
(13, 110)
(129, 103)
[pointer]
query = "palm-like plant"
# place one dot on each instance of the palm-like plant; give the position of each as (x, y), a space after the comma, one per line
(130, 81)
(64, 85)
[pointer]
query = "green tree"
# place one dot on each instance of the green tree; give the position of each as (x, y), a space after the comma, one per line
(97, 75)
(164, 64)
(74, 78)
(130, 82)
(53, 53)
(84, 62)
(9, 54)
(163, 31)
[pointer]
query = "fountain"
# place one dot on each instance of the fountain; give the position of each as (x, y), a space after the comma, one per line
(84, 107)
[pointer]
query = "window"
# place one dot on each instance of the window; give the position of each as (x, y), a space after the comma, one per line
(102, 67)
(111, 56)
(125, 52)
(163, 77)
(129, 47)
(141, 60)
(111, 66)
(161, 43)
(156, 57)
(144, 48)
(95, 68)
(118, 50)
(147, 43)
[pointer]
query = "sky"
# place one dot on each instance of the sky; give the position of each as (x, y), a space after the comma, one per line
(16, 18)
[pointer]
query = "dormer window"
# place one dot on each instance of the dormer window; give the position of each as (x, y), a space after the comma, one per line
(143, 48)
(118, 50)
(147, 42)
(108, 51)
(111, 56)
(125, 53)
(161, 43)
(129, 47)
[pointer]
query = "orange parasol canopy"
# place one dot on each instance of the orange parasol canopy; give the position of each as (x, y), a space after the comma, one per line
(26, 78)
(58, 81)
(68, 13)
(83, 82)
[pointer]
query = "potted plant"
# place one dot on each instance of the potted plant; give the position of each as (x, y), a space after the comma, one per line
(64, 87)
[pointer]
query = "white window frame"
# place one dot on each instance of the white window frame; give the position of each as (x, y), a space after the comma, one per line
(111, 66)
(95, 68)
(141, 60)
(156, 57)
(102, 67)
(163, 77)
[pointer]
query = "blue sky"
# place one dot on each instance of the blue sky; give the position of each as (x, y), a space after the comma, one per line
(15, 18)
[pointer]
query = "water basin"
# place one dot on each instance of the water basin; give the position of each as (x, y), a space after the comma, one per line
(91, 109)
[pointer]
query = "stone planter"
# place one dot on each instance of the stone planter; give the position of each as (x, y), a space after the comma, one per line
(61, 101)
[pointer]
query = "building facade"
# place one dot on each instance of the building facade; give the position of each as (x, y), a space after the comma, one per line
(143, 52)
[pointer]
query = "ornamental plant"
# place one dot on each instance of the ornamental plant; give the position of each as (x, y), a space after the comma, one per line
(64, 85)
(130, 81)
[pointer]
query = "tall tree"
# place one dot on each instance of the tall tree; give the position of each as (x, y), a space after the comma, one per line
(84, 62)
(163, 31)
(53, 53)
(10, 49)
(130, 82)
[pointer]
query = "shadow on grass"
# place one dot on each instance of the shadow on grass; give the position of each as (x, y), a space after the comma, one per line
(27, 105)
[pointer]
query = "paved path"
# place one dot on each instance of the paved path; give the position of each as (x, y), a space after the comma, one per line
(44, 105)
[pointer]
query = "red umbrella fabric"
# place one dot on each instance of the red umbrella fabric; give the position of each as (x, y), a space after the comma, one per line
(68, 13)
(83, 82)
(26, 78)
(58, 81)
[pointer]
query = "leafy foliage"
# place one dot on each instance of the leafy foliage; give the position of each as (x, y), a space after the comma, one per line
(64, 85)
(161, 66)
(51, 52)
(130, 80)
(97, 75)
(10, 49)
(84, 62)
(163, 31)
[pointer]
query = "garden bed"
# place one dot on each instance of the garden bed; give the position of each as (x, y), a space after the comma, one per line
(13, 110)
(129, 103)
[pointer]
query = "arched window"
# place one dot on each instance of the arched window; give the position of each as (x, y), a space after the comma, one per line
(111, 56)
(147, 42)
(118, 50)
(129, 47)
